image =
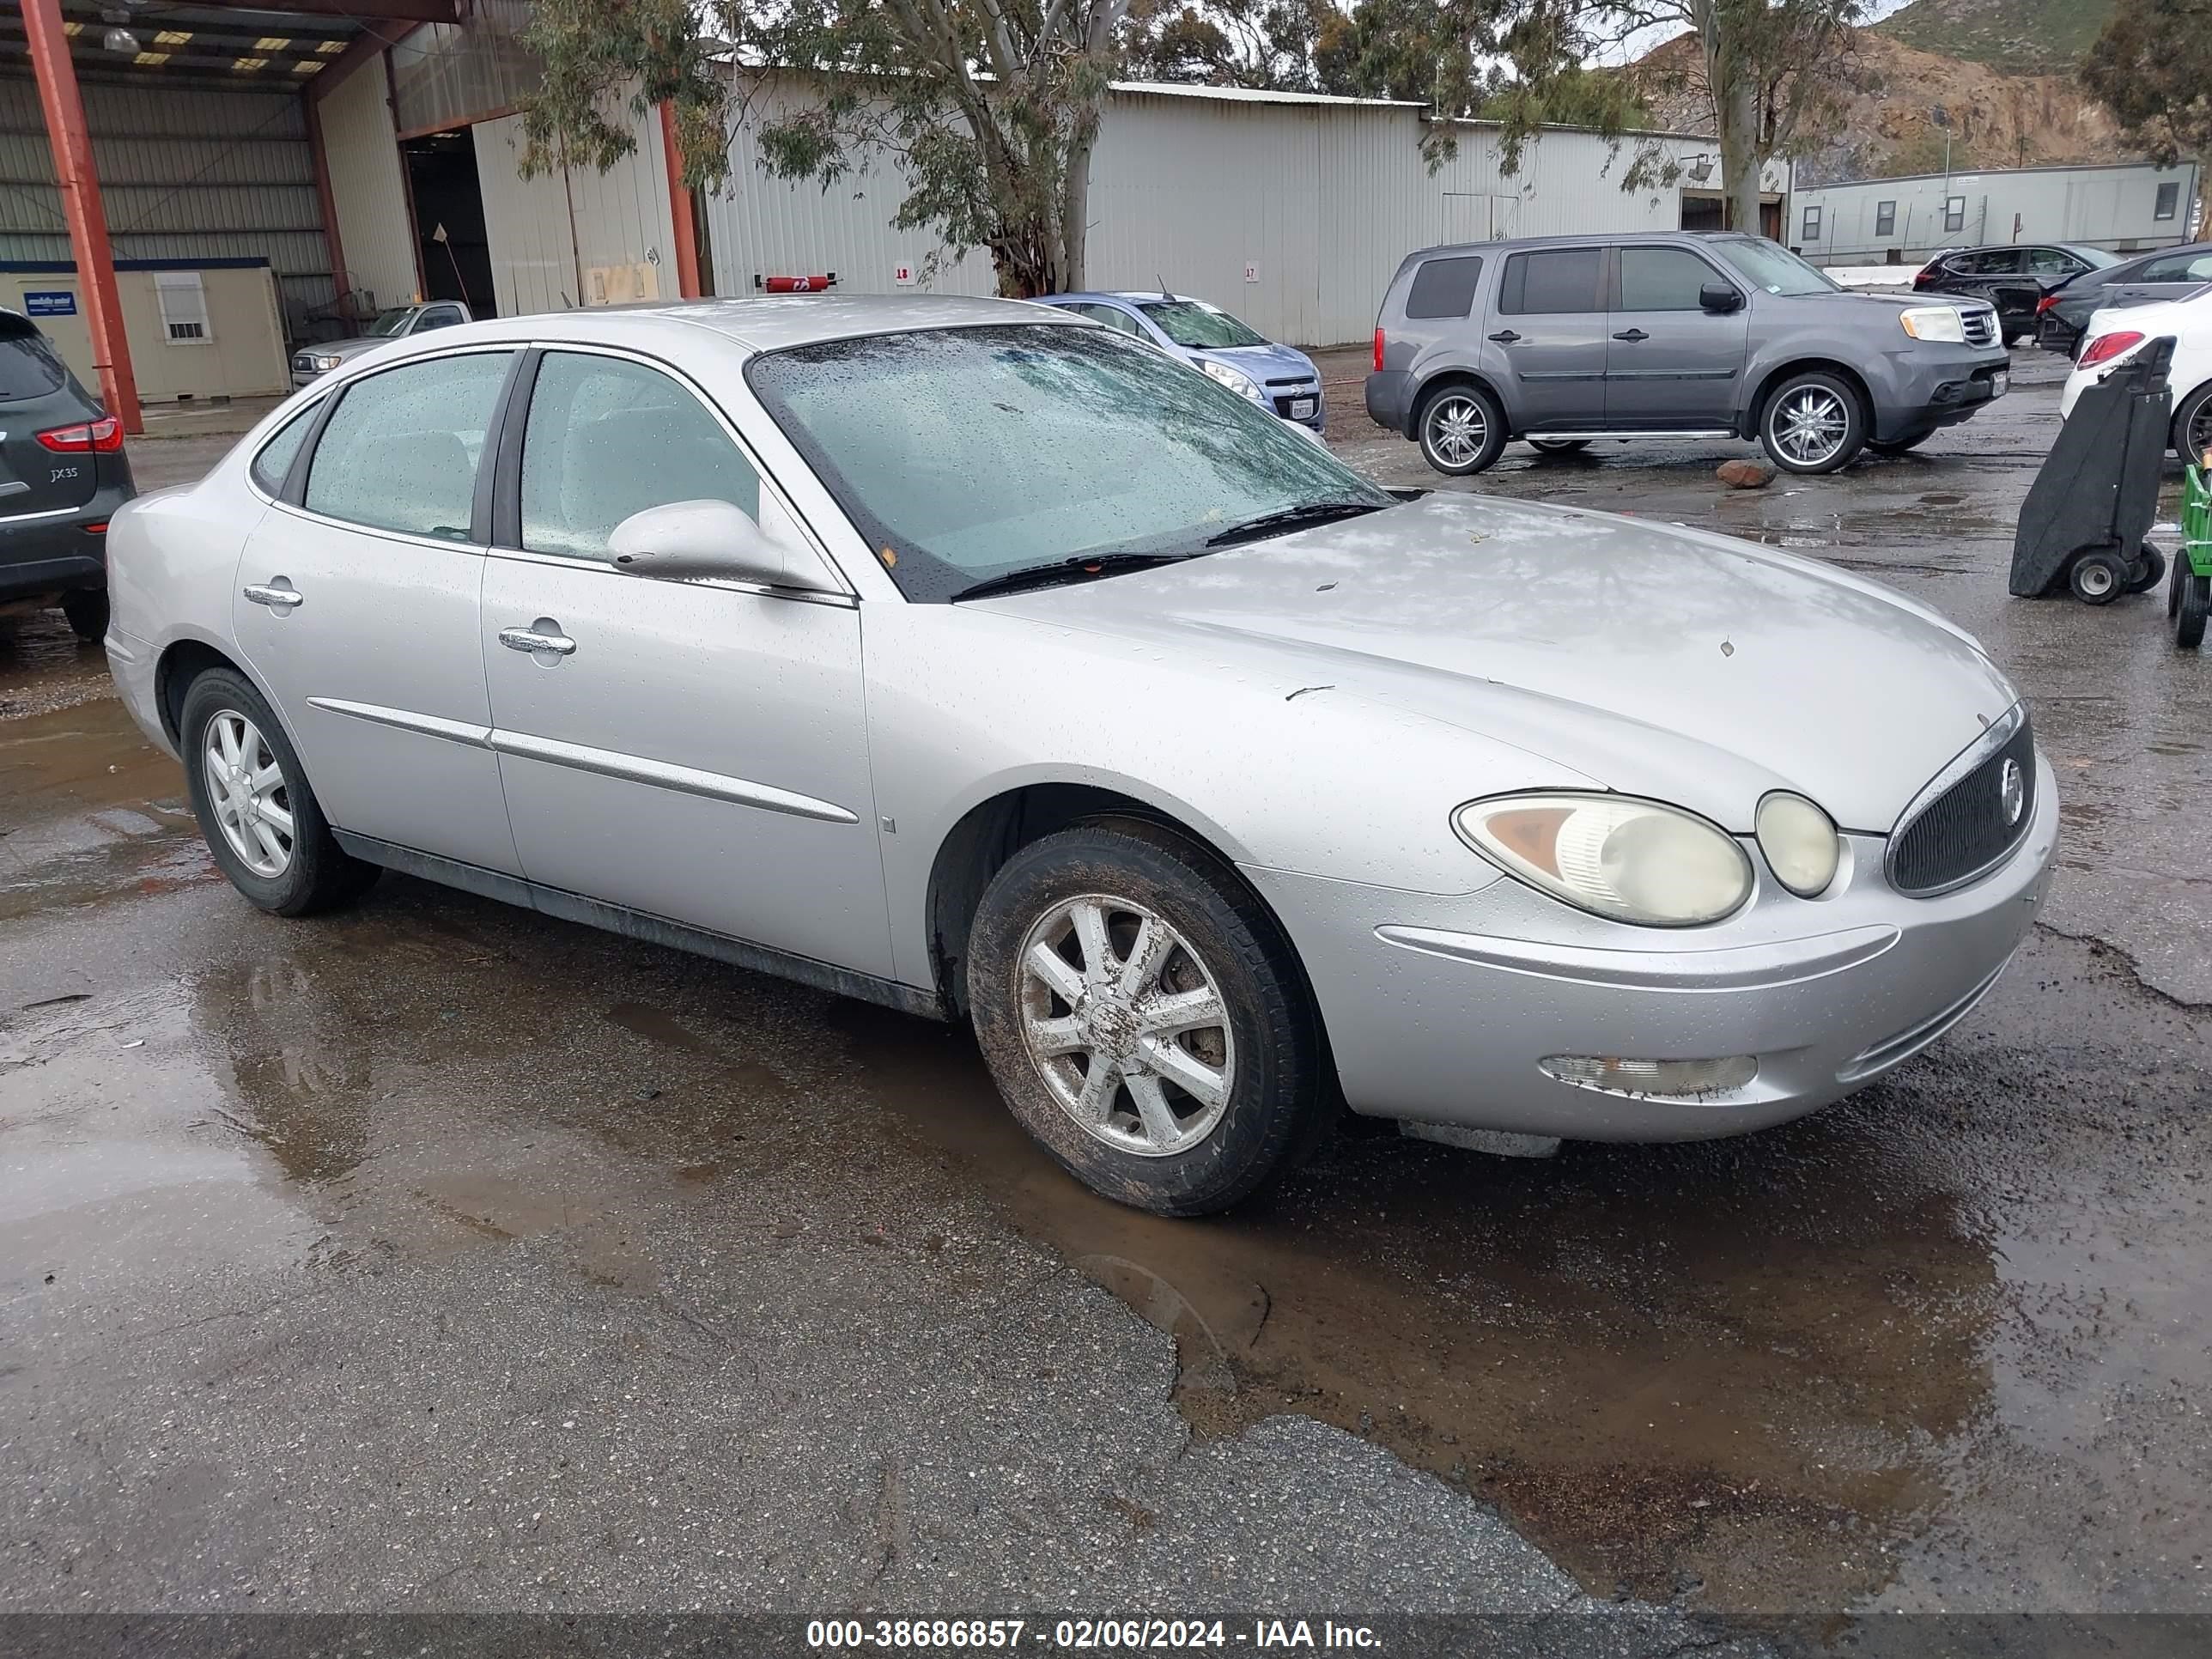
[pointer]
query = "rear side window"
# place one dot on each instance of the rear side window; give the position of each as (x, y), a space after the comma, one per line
(274, 463)
(1662, 279)
(400, 450)
(1553, 281)
(1444, 287)
(29, 367)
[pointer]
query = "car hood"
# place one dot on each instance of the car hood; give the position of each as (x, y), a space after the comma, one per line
(349, 348)
(1653, 659)
(1262, 362)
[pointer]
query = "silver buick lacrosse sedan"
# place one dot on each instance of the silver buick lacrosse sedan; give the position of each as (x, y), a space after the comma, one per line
(971, 658)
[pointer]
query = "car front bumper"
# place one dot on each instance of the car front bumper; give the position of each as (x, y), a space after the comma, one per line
(1440, 1009)
(1917, 392)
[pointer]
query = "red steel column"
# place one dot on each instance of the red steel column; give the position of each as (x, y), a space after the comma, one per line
(81, 205)
(679, 208)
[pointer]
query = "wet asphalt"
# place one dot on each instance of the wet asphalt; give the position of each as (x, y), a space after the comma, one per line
(438, 1256)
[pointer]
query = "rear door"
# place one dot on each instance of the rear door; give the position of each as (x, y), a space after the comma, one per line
(57, 472)
(1671, 365)
(1548, 324)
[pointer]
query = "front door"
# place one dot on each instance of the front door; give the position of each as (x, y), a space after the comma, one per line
(2167, 278)
(1544, 339)
(357, 609)
(1671, 365)
(694, 751)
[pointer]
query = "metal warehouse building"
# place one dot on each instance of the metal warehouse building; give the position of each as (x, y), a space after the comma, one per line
(351, 154)
(2124, 208)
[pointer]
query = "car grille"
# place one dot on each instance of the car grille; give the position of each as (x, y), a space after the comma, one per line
(1981, 326)
(1945, 842)
(1283, 400)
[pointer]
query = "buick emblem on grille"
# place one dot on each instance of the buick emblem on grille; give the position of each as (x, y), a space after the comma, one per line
(2012, 791)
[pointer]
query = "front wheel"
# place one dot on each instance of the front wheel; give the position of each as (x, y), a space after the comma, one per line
(261, 821)
(1813, 422)
(1461, 431)
(2195, 601)
(2098, 577)
(1146, 1018)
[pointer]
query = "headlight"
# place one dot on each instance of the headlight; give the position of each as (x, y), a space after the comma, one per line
(1942, 324)
(1627, 859)
(325, 363)
(1235, 379)
(1800, 842)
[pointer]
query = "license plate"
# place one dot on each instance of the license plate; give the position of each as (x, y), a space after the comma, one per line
(1998, 384)
(1302, 409)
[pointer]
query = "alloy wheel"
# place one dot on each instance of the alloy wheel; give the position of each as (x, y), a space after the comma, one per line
(1126, 1025)
(247, 787)
(1458, 429)
(1809, 425)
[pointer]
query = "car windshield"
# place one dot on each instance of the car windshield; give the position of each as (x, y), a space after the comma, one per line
(1193, 323)
(391, 322)
(965, 455)
(1770, 267)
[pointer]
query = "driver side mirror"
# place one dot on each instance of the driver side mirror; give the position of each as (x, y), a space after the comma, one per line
(1720, 297)
(685, 541)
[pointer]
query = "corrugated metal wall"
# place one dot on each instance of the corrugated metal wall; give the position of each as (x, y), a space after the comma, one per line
(2112, 207)
(445, 74)
(621, 219)
(187, 172)
(368, 186)
(1320, 200)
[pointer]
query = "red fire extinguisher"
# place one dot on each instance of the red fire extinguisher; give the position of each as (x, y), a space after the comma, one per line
(796, 284)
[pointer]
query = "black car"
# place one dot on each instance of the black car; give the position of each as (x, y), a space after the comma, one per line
(63, 472)
(2012, 277)
(2063, 313)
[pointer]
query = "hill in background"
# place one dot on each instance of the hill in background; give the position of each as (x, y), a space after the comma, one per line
(2029, 37)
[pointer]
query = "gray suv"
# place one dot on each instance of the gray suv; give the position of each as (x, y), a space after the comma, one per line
(1563, 341)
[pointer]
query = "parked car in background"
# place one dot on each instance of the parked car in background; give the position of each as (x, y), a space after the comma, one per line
(2063, 314)
(954, 654)
(62, 474)
(1565, 341)
(1277, 377)
(397, 324)
(2115, 336)
(2012, 278)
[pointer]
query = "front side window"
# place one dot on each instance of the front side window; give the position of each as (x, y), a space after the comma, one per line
(400, 451)
(1444, 287)
(1662, 279)
(1885, 218)
(1193, 323)
(607, 437)
(966, 454)
(1811, 225)
(1954, 213)
(2168, 202)
(1998, 262)
(1770, 267)
(389, 323)
(1552, 282)
(274, 464)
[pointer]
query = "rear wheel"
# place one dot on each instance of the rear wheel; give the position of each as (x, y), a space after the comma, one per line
(1462, 430)
(1558, 445)
(2192, 427)
(87, 610)
(2175, 583)
(1145, 1019)
(2098, 577)
(1813, 422)
(2148, 572)
(2196, 602)
(1897, 446)
(261, 821)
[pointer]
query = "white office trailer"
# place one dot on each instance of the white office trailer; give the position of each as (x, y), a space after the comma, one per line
(2124, 208)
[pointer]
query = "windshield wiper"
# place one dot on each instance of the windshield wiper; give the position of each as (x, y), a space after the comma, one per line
(1067, 570)
(1292, 517)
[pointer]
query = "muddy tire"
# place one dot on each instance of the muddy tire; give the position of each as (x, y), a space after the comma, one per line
(1462, 430)
(1146, 1019)
(87, 610)
(260, 819)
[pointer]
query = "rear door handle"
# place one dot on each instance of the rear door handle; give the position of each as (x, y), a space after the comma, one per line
(1631, 334)
(279, 596)
(529, 639)
(1505, 337)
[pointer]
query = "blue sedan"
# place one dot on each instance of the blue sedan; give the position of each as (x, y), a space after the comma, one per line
(1277, 377)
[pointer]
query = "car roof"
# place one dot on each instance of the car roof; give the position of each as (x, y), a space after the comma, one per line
(771, 322)
(1596, 239)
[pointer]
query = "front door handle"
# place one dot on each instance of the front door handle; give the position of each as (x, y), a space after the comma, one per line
(279, 596)
(1505, 337)
(552, 639)
(1631, 334)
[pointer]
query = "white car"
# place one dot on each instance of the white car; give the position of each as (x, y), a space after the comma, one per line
(2115, 336)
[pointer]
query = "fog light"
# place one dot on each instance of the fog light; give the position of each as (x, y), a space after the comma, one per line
(1668, 1078)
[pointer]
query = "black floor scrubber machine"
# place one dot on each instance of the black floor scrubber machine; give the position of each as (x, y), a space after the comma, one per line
(2083, 522)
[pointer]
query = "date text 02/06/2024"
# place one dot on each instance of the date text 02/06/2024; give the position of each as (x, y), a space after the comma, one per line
(1127, 1635)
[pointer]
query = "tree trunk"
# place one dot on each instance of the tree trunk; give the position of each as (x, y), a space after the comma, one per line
(1075, 205)
(1740, 159)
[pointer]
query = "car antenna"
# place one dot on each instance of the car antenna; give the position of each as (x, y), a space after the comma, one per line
(1165, 295)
